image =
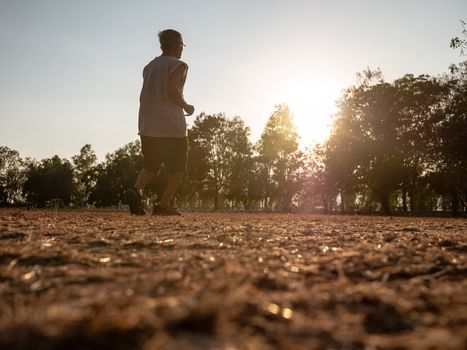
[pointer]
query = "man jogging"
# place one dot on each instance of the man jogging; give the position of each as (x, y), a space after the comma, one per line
(162, 125)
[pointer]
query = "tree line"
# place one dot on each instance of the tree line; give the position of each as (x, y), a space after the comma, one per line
(394, 146)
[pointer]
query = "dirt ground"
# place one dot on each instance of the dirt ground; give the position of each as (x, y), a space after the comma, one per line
(107, 280)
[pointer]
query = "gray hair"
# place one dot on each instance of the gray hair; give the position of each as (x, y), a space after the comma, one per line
(168, 38)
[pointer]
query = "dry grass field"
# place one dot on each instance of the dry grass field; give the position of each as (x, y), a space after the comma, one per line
(107, 280)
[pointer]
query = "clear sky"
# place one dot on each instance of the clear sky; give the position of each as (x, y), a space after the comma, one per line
(70, 71)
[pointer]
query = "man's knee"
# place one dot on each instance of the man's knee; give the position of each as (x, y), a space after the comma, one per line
(148, 171)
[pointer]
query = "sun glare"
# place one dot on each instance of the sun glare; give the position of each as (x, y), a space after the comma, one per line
(311, 101)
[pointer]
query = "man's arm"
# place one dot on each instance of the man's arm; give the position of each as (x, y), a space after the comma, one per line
(175, 87)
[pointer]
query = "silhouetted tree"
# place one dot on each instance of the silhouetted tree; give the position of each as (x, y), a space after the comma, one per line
(12, 177)
(419, 105)
(52, 178)
(448, 171)
(191, 191)
(116, 174)
(319, 187)
(389, 140)
(219, 148)
(83, 166)
(365, 133)
(281, 161)
(460, 42)
(241, 177)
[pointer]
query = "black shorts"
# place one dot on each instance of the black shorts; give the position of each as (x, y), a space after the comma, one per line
(170, 151)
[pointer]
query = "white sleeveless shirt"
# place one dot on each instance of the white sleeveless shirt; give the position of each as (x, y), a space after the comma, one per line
(158, 115)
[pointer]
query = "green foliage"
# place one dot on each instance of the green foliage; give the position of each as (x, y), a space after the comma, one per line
(280, 160)
(84, 166)
(390, 137)
(376, 135)
(113, 177)
(12, 177)
(460, 42)
(319, 187)
(52, 178)
(448, 152)
(218, 160)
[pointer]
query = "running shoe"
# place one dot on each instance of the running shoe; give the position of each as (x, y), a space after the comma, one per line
(134, 201)
(165, 211)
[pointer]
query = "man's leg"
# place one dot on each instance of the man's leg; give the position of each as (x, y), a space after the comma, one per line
(175, 157)
(144, 177)
(173, 182)
(152, 160)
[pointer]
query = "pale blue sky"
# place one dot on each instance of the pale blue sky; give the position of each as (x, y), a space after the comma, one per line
(71, 70)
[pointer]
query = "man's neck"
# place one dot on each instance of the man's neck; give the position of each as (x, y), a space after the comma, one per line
(171, 54)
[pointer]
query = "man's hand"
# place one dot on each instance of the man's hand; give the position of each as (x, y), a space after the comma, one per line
(175, 88)
(189, 109)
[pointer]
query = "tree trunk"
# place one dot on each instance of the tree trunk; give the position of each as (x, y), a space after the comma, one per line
(455, 203)
(325, 204)
(412, 200)
(404, 199)
(216, 200)
(385, 203)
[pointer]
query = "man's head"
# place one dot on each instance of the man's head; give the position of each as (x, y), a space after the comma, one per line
(171, 42)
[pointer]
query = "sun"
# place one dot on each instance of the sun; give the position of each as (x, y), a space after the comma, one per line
(312, 101)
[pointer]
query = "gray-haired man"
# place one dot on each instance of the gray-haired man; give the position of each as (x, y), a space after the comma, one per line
(162, 125)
